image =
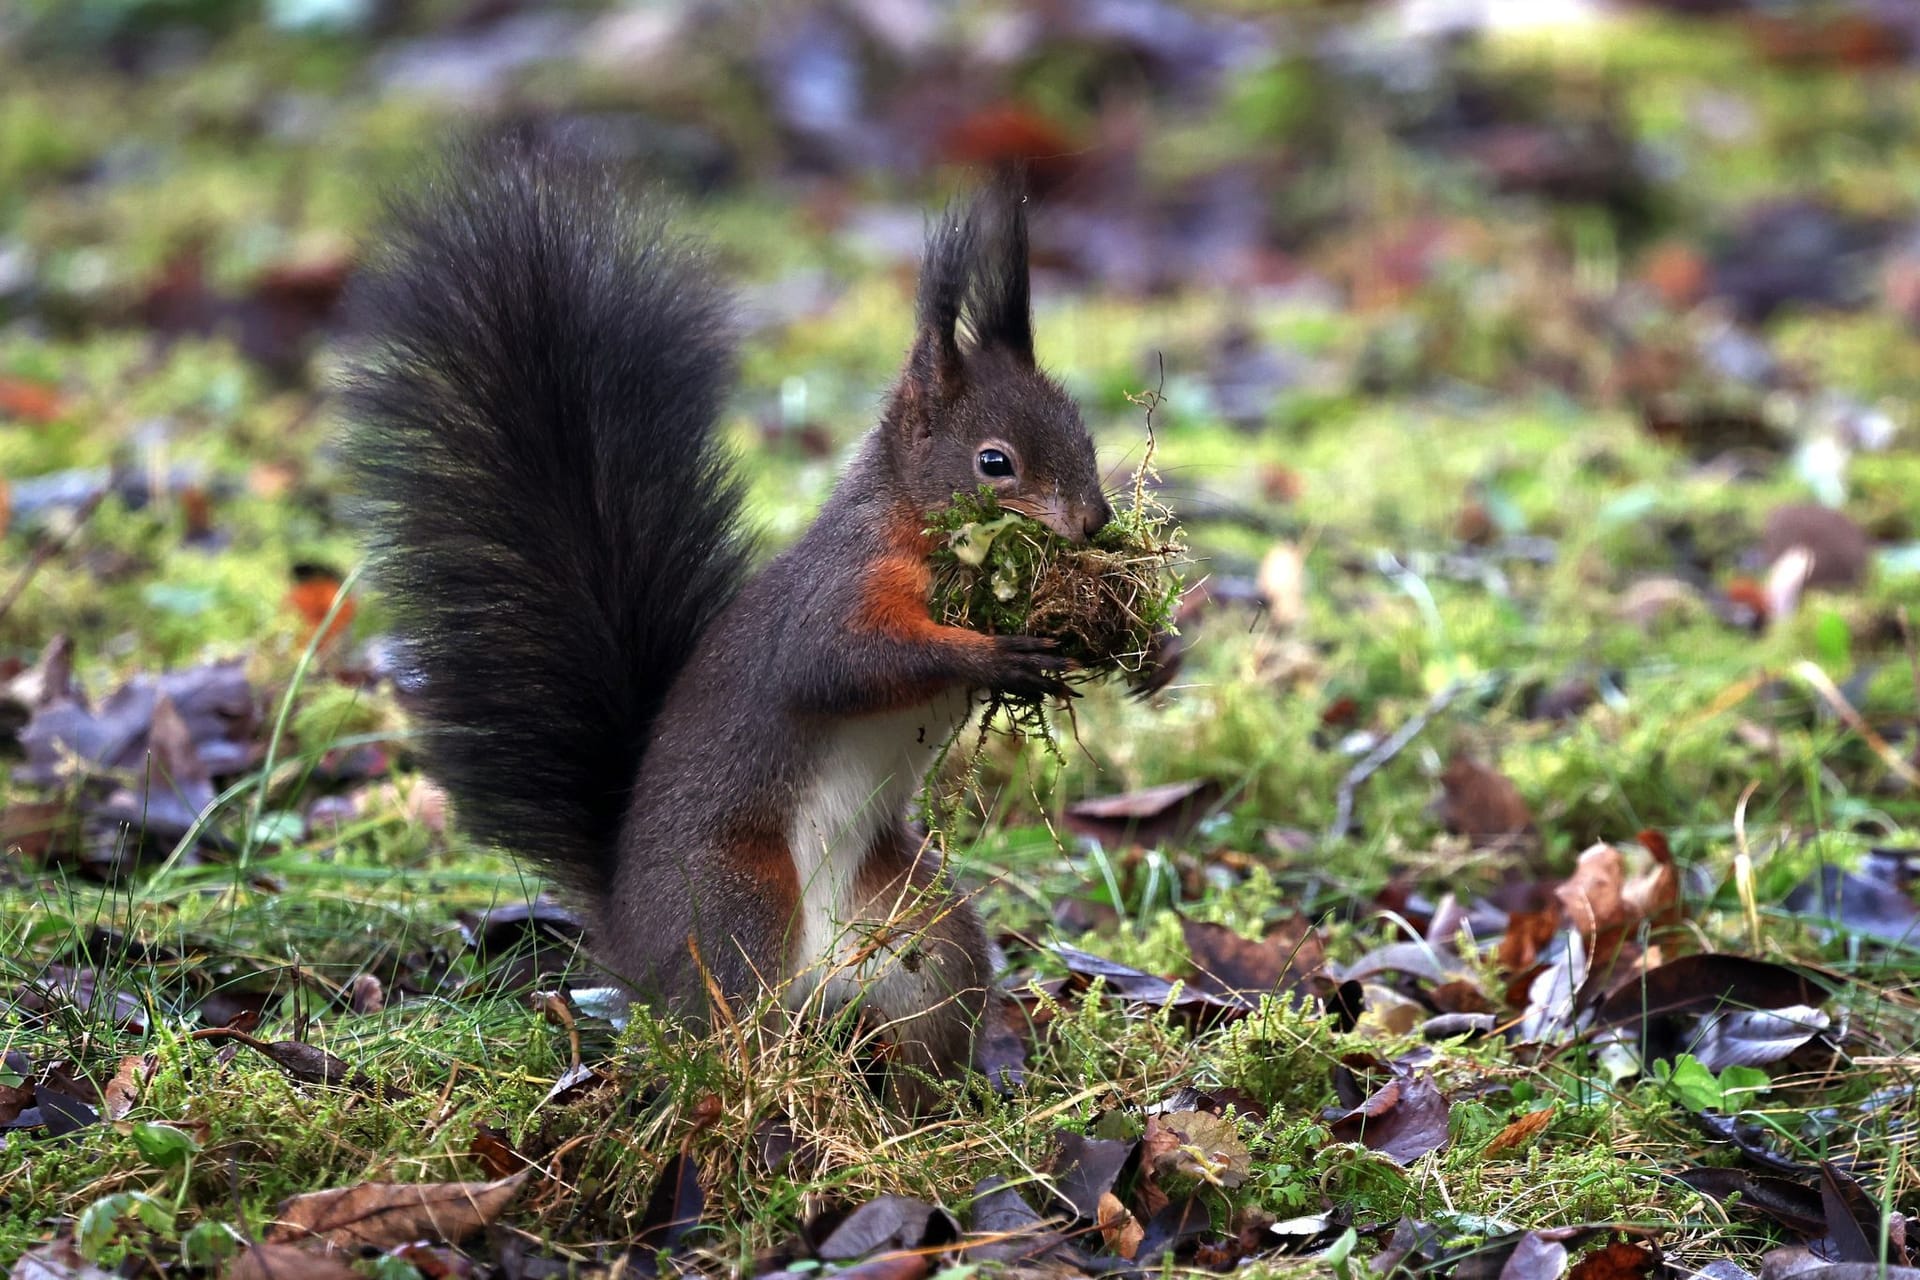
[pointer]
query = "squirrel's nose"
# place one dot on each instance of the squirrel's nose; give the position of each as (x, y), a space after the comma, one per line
(1096, 517)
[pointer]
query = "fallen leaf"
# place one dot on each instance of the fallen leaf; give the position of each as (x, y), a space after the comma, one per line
(675, 1206)
(1535, 1257)
(311, 597)
(1593, 897)
(1150, 816)
(129, 1078)
(1137, 987)
(57, 1260)
(1084, 1169)
(907, 1265)
(494, 1153)
(889, 1222)
(1482, 804)
(380, 1215)
(1617, 1260)
(1755, 1037)
(1120, 1229)
(1854, 1220)
(1245, 968)
(309, 1064)
(1174, 1226)
(287, 1262)
(1197, 1146)
(1012, 1231)
(1519, 1133)
(1403, 1121)
(27, 401)
(1706, 983)
(1872, 902)
(1792, 1205)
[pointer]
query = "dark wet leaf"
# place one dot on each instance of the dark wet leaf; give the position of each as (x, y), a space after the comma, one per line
(287, 1262)
(1243, 969)
(1403, 1120)
(62, 1113)
(1412, 1245)
(890, 1222)
(1172, 1228)
(309, 1064)
(1755, 1037)
(1854, 1219)
(1136, 987)
(1014, 1232)
(214, 705)
(1795, 252)
(1535, 1257)
(1084, 1169)
(1002, 1050)
(1874, 902)
(1791, 1204)
(1705, 984)
(673, 1209)
(1415, 959)
(1152, 816)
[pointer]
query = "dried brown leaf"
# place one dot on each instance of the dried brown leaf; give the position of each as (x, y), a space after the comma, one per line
(381, 1215)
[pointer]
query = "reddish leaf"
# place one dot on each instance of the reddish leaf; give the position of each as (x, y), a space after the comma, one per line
(1519, 1133)
(1618, 1260)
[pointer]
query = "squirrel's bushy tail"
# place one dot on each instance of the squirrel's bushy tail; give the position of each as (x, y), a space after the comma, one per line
(533, 397)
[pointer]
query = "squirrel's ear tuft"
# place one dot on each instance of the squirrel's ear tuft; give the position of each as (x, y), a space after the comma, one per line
(973, 282)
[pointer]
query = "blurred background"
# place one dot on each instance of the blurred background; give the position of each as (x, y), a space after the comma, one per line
(1498, 341)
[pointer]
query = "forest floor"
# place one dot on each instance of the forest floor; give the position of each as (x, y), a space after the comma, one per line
(1519, 876)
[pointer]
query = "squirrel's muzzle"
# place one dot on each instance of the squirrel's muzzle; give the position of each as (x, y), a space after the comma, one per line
(1077, 522)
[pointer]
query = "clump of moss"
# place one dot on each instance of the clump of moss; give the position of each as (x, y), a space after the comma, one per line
(1105, 602)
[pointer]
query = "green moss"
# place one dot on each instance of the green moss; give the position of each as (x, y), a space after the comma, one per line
(1104, 604)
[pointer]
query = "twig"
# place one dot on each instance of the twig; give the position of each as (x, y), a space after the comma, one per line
(1378, 758)
(1824, 686)
(1148, 400)
(49, 549)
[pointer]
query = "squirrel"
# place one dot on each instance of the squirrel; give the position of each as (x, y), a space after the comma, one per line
(718, 761)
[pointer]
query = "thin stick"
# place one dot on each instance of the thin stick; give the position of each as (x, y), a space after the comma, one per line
(1378, 758)
(1824, 686)
(49, 549)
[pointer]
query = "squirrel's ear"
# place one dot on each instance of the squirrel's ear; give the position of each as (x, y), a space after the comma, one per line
(999, 304)
(973, 282)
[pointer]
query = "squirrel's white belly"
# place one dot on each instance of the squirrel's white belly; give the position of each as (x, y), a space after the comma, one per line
(864, 776)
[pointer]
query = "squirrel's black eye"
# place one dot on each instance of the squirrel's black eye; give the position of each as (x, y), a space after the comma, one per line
(994, 463)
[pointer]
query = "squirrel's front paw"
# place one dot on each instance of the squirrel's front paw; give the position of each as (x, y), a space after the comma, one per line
(1030, 667)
